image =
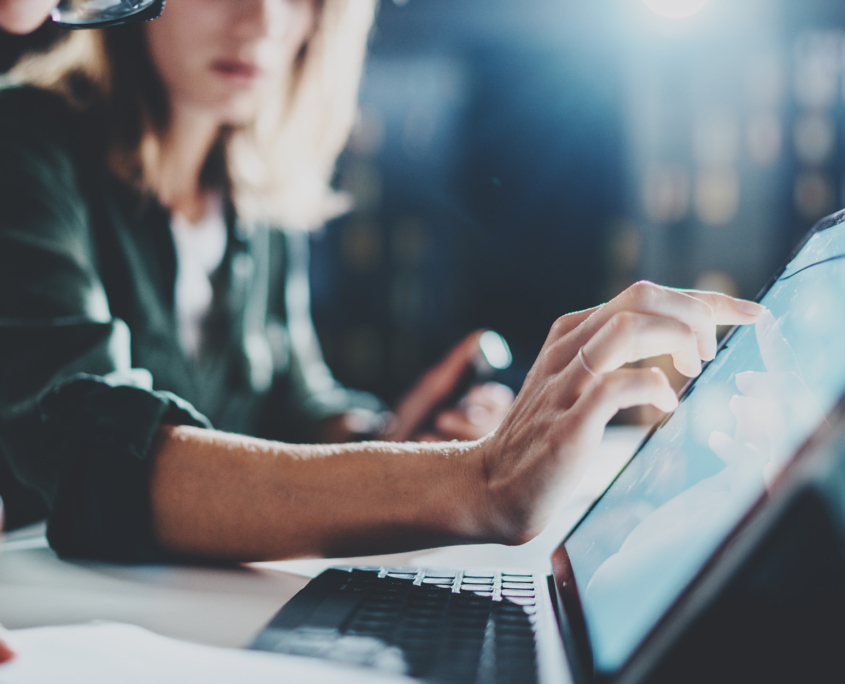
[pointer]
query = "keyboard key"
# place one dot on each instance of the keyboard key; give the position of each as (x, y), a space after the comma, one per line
(415, 612)
(382, 607)
(417, 629)
(515, 638)
(424, 608)
(440, 573)
(334, 610)
(479, 609)
(508, 608)
(357, 650)
(476, 620)
(429, 626)
(364, 575)
(519, 593)
(521, 627)
(516, 585)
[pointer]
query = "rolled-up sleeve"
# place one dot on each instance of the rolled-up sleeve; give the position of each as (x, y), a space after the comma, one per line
(84, 445)
(77, 422)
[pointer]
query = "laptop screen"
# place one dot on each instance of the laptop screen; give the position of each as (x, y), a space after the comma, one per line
(693, 480)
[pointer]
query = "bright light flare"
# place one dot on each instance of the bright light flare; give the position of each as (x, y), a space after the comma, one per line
(676, 9)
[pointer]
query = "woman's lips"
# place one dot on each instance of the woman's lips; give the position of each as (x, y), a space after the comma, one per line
(235, 69)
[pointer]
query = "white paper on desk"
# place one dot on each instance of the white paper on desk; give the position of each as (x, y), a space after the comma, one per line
(109, 653)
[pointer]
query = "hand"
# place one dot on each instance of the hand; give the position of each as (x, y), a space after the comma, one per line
(477, 414)
(538, 454)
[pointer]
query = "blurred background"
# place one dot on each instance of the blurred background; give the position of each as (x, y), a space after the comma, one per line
(513, 161)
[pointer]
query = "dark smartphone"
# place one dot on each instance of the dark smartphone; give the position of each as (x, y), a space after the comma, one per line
(493, 355)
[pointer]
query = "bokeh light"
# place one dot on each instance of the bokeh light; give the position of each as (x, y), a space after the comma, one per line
(676, 9)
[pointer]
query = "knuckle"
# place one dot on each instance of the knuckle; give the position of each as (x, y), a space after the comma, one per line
(686, 331)
(644, 293)
(624, 323)
(558, 327)
(607, 384)
(704, 312)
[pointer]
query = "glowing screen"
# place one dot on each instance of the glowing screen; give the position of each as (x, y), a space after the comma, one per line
(701, 471)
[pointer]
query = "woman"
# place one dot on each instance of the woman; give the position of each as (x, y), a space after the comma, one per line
(137, 271)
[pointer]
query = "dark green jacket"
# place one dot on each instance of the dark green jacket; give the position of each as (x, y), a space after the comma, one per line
(90, 360)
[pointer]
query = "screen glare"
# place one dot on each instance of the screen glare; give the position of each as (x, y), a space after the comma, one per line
(691, 483)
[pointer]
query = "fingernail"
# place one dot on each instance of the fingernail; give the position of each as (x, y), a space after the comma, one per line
(750, 308)
(695, 368)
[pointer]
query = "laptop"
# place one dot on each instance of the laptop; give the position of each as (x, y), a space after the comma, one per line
(716, 531)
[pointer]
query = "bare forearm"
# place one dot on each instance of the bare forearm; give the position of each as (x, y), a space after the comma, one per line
(227, 496)
(224, 496)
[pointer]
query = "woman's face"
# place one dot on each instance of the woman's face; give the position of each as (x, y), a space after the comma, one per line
(221, 56)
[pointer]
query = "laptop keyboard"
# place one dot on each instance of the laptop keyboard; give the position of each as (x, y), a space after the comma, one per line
(434, 624)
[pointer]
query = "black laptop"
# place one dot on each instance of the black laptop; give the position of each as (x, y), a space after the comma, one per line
(716, 554)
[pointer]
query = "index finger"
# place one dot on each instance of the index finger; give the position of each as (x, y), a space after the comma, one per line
(701, 311)
(434, 387)
(728, 310)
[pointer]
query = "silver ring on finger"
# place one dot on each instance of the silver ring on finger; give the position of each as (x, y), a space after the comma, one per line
(585, 364)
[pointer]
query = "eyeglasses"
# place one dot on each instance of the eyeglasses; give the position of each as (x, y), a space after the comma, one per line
(101, 13)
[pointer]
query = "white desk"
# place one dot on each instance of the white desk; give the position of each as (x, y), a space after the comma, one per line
(228, 606)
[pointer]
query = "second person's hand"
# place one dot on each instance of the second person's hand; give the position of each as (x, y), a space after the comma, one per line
(420, 416)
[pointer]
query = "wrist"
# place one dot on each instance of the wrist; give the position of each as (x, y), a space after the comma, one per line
(503, 514)
(485, 527)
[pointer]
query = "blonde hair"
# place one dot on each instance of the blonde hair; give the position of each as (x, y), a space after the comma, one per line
(278, 168)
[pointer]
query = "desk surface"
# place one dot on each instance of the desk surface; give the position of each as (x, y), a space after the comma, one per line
(228, 606)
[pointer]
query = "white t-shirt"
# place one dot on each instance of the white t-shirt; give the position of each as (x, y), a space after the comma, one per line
(200, 248)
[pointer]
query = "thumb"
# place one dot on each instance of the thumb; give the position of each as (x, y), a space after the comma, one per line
(448, 372)
(433, 387)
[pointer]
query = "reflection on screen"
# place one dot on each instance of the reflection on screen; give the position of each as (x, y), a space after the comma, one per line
(690, 484)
